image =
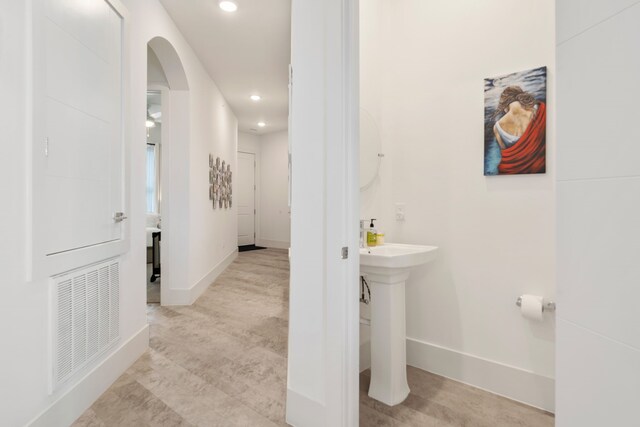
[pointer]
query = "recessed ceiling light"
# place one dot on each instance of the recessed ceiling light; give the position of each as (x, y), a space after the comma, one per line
(228, 5)
(256, 98)
(262, 124)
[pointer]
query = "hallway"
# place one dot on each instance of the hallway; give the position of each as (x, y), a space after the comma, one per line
(220, 362)
(223, 362)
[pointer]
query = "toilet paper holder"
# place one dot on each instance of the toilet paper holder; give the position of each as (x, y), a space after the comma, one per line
(546, 306)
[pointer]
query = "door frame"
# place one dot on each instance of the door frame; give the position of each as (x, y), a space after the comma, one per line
(343, 302)
(323, 362)
(256, 191)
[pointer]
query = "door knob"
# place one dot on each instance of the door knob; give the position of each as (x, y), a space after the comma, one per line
(119, 217)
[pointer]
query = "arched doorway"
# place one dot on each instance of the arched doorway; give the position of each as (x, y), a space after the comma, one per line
(168, 151)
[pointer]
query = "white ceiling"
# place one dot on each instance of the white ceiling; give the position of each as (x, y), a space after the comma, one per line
(244, 52)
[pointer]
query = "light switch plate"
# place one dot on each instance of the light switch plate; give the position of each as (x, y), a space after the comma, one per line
(400, 211)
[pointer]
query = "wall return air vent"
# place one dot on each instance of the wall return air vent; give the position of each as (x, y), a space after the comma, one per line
(86, 311)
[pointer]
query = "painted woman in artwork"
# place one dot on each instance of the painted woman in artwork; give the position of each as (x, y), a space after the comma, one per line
(515, 123)
(520, 132)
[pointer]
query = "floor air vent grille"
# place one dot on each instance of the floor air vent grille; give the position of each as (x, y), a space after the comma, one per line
(86, 314)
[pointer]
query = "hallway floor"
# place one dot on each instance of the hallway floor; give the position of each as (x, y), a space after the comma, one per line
(153, 288)
(223, 362)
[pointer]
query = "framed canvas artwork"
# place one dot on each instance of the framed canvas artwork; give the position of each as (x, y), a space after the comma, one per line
(515, 123)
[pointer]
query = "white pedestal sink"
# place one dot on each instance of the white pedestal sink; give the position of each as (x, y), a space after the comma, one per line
(386, 269)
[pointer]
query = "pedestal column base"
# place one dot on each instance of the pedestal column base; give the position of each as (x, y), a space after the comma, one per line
(388, 338)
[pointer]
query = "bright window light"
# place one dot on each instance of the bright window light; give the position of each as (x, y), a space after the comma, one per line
(228, 5)
(152, 188)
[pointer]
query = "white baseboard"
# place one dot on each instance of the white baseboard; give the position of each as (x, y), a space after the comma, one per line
(188, 296)
(508, 381)
(303, 411)
(68, 407)
(276, 244)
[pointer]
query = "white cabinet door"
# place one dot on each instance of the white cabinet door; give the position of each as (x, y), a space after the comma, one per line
(78, 125)
(246, 199)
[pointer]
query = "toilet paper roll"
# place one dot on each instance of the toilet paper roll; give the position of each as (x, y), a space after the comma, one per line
(531, 307)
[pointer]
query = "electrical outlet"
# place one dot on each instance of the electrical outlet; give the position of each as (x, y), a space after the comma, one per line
(400, 211)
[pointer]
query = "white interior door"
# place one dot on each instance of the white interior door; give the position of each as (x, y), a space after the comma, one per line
(598, 212)
(80, 103)
(246, 198)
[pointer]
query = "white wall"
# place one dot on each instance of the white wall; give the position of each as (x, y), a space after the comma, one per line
(155, 73)
(248, 142)
(598, 354)
(422, 67)
(273, 223)
(24, 306)
(155, 134)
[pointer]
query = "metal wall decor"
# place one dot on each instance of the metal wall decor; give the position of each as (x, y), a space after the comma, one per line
(220, 189)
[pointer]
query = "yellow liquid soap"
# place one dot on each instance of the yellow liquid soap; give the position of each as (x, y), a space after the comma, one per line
(372, 238)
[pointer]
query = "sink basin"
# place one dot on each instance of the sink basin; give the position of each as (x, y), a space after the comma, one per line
(396, 255)
(387, 268)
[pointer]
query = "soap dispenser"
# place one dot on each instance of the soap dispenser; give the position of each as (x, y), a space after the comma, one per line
(372, 234)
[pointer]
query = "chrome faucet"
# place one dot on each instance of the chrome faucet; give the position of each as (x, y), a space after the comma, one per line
(362, 233)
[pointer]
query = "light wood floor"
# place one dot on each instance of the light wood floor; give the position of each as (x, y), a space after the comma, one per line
(223, 362)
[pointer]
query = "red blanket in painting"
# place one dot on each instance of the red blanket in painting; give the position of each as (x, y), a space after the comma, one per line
(528, 154)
